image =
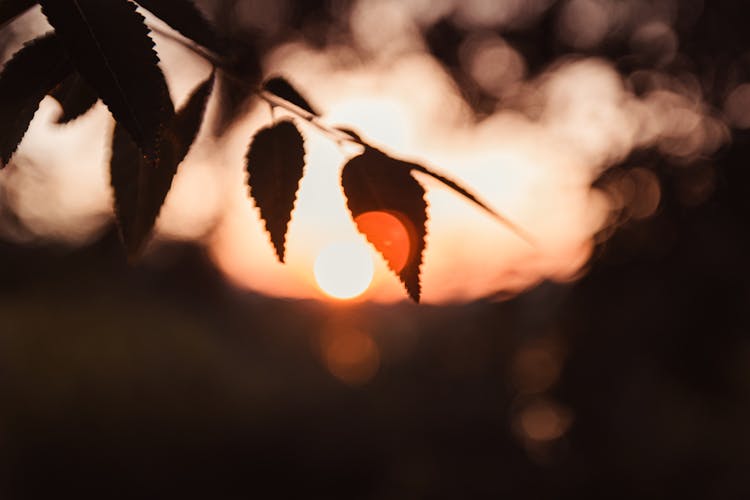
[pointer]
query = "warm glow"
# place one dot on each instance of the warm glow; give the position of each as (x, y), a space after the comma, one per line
(533, 158)
(344, 269)
(350, 355)
(544, 421)
(389, 235)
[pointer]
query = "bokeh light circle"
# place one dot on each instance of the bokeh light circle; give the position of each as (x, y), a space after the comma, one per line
(344, 269)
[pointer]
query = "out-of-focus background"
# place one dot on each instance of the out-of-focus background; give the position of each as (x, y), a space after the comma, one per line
(611, 360)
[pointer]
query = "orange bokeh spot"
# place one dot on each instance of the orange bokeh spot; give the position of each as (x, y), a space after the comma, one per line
(389, 235)
(350, 355)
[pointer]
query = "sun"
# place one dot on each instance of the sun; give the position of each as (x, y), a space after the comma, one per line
(344, 269)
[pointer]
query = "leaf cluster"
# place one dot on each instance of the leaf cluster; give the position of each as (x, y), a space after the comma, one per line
(102, 50)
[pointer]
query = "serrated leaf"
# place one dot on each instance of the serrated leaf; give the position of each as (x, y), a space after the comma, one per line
(275, 164)
(185, 18)
(75, 96)
(25, 80)
(454, 186)
(10, 9)
(280, 87)
(188, 119)
(374, 182)
(140, 184)
(110, 47)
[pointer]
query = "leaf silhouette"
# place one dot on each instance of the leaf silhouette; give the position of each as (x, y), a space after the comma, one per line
(141, 184)
(10, 9)
(110, 47)
(375, 182)
(280, 87)
(187, 121)
(75, 96)
(185, 18)
(275, 164)
(353, 136)
(26, 79)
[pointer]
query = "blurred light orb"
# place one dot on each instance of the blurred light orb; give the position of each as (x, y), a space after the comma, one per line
(344, 269)
(544, 420)
(351, 356)
(389, 235)
(492, 63)
(737, 106)
(655, 40)
(583, 24)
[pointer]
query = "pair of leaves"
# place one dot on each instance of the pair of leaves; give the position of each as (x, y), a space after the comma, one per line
(372, 182)
(104, 52)
(141, 184)
(111, 49)
(101, 49)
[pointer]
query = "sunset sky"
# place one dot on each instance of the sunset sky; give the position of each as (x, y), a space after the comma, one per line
(533, 160)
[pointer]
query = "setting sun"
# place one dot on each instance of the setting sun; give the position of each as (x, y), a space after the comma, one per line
(344, 269)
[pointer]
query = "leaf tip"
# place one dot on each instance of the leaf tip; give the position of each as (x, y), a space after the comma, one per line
(281, 87)
(280, 247)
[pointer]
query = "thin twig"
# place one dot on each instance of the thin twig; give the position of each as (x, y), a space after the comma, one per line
(336, 134)
(515, 228)
(275, 101)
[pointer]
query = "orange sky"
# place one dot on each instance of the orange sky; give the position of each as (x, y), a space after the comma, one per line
(534, 164)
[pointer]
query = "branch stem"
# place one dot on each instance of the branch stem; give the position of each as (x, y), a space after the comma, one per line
(338, 135)
(335, 134)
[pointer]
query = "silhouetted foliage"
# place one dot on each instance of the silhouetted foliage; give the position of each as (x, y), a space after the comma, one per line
(184, 17)
(102, 50)
(275, 164)
(169, 381)
(10, 9)
(141, 184)
(279, 87)
(119, 61)
(25, 80)
(373, 181)
(75, 96)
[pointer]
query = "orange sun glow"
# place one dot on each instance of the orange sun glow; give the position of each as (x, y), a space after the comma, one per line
(389, 235)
